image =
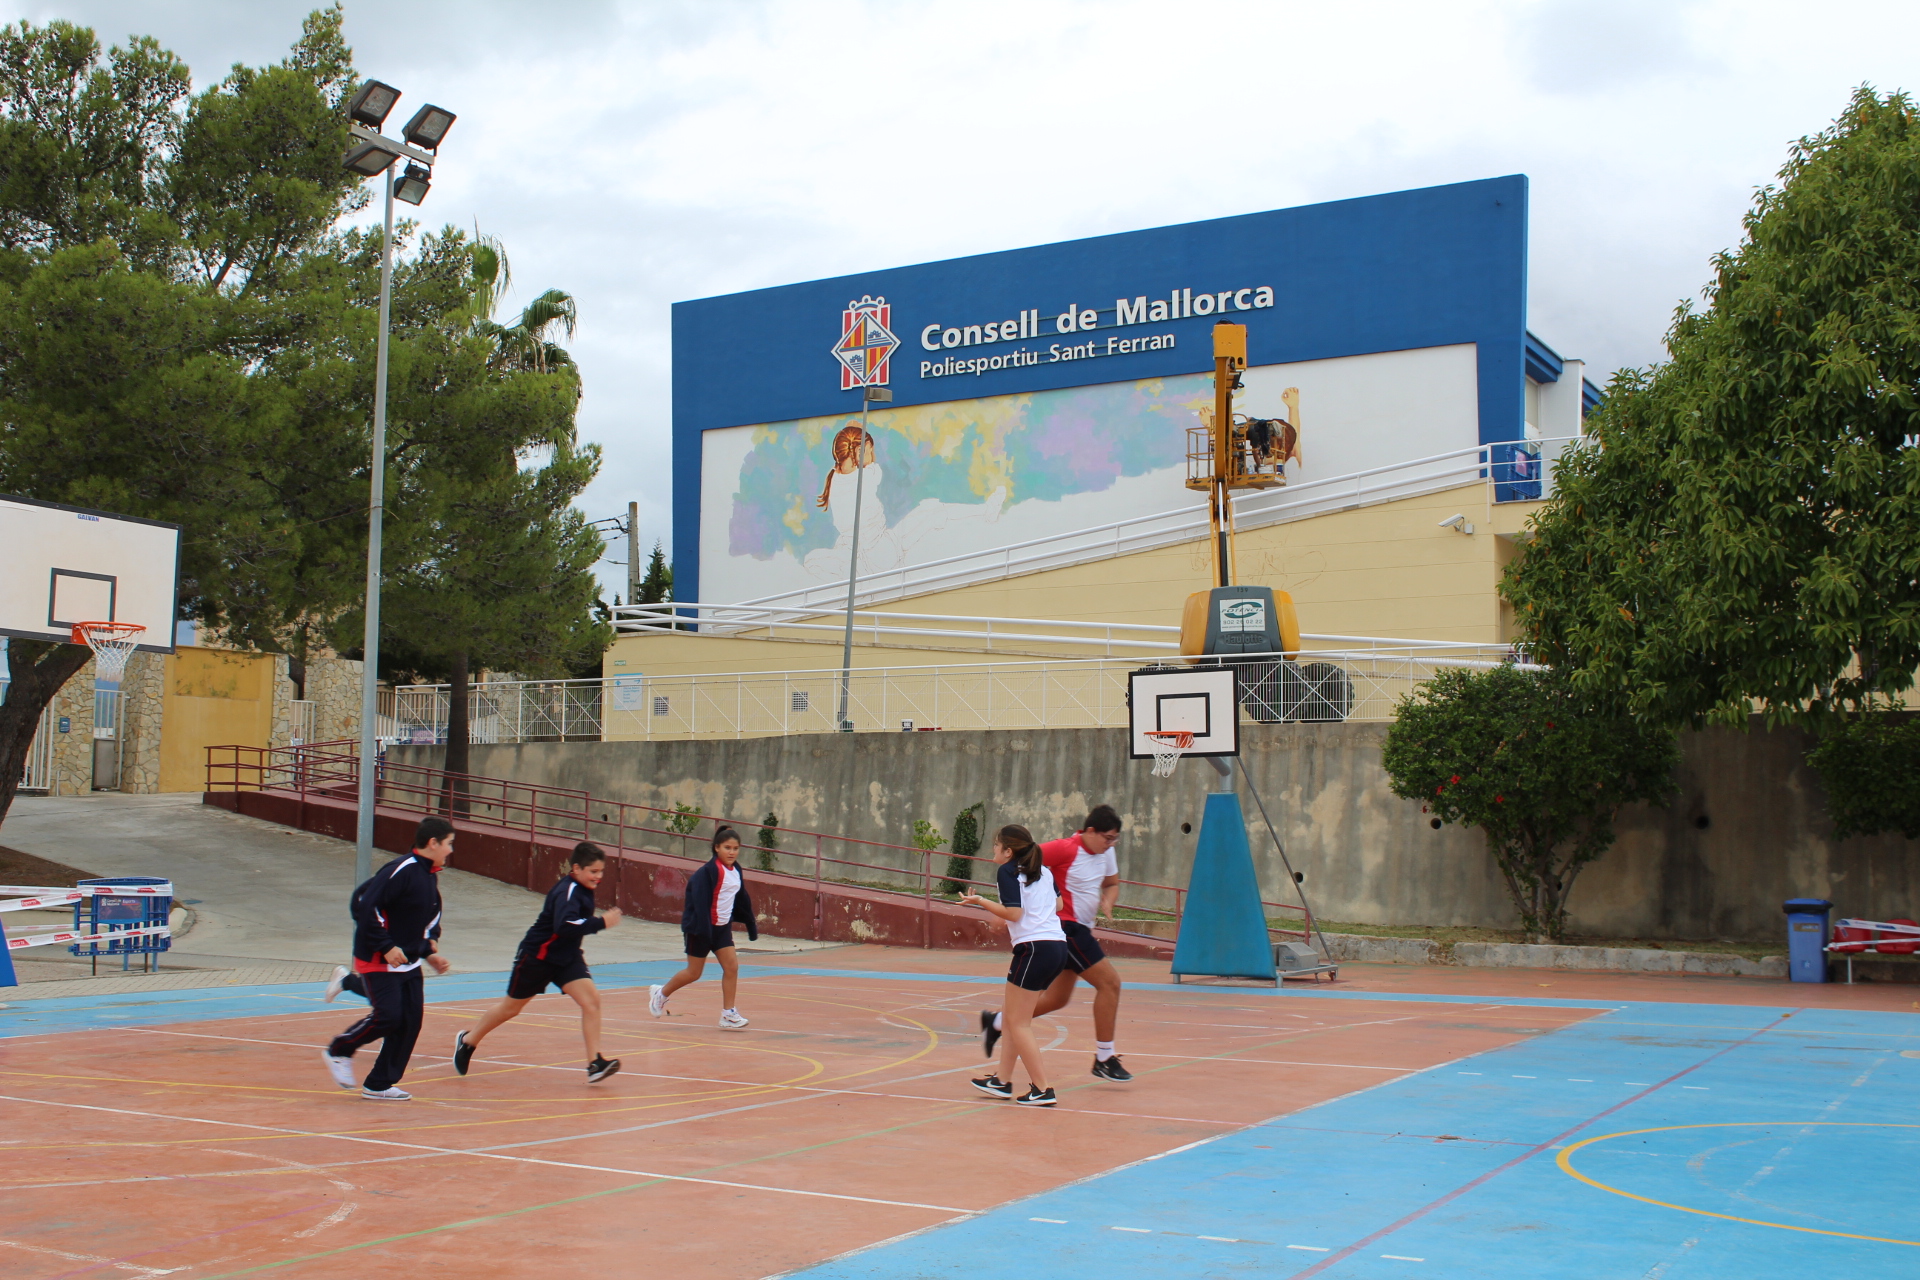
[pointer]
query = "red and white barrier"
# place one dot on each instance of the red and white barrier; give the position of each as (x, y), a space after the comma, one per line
(67, 936)
(89, 890)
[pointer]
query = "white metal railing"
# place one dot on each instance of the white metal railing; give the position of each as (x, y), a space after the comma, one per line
(1360, 680)
(499, 711)
(106, 712)
(769, 622)
(1067, 693)
(301, 721)
(38, 775)
(1508, 477)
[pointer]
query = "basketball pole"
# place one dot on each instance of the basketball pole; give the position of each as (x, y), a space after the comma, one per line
(376, 512)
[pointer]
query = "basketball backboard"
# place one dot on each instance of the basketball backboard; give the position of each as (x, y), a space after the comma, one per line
(1203, 701)
(62, 565)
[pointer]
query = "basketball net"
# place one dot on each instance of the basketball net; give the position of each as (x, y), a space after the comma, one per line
(112, 644)
(1167, 747)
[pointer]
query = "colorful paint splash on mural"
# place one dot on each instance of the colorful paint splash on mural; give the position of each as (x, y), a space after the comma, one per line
(935, 467)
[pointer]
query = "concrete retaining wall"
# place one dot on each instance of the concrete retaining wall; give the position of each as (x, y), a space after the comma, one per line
(652, 885)
(1747, 827)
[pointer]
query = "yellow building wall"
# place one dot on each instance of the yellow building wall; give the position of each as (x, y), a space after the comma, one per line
(212, 697)
(1386, 570)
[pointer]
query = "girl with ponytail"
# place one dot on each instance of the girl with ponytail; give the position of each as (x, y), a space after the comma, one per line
(1030, 908)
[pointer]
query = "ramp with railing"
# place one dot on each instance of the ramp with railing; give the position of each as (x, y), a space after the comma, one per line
(820, 885)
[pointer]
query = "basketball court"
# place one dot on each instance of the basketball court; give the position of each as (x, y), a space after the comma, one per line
(1488, 1123)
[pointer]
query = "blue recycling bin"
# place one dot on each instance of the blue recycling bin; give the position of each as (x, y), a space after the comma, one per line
(111, 913)
(1807, 938)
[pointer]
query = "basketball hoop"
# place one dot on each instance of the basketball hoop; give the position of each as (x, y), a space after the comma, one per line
(112, 643)
(1167, 746)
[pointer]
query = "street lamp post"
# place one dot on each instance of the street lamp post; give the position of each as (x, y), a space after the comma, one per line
(374, 155)
(870, 396)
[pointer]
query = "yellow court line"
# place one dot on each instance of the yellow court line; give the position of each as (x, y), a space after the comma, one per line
(1565, 1161)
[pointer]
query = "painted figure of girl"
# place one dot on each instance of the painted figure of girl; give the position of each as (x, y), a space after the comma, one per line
(853, 463)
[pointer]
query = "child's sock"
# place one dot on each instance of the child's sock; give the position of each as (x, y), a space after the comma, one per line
(730, 1011)
(1102, 1050)
(997, 1022)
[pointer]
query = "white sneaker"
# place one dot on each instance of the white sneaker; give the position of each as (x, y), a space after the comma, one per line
(657, 1001)
(341, 1069)
(336, 983)
(395, 1094)
(731, 1021)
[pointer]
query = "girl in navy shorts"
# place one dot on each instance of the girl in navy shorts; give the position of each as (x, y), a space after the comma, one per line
(716, 901)
(1030, 907)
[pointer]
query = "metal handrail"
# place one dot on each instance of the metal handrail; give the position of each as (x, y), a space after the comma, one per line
(333, 770)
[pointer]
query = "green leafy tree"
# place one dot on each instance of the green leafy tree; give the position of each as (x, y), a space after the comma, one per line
(1871, 767)
(685, 819)
(177, 327)
(966, 845)
(657, 586)
(1533, 762)
(497, 565)
(1744, 531)
(769, 840)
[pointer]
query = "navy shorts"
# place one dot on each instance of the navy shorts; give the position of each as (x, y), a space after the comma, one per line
(1083, 949)
(702, 945)
(1037, 964)
(531, 976)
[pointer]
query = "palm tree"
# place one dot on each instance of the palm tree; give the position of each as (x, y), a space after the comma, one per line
(525, 344)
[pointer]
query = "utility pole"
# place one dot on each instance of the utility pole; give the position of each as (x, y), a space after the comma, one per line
(633, 553)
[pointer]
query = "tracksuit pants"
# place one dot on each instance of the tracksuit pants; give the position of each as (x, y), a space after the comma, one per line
(399, 1004)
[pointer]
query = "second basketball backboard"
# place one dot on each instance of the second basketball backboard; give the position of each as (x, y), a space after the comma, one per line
(62, 565)
(1203, 701)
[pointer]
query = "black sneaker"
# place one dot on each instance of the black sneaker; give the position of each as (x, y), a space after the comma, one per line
(1037, 1098)
(600, 1068)
(989, 1034)
(1111, 1069)
(462, 1053)
(993, 1086)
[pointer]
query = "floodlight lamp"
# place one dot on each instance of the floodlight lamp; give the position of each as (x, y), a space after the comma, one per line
(413, 184)
(373, 104)
(369, 159)
(428, 126)
(879, 395)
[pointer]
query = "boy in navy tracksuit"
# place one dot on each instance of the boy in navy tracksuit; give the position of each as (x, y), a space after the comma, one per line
(716, 901)
(396, 928)
(550, 953)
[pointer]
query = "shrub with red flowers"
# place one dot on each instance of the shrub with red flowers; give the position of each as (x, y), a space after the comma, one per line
(1533, 763)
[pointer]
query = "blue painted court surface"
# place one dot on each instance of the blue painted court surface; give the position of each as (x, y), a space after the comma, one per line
(1675, 1141)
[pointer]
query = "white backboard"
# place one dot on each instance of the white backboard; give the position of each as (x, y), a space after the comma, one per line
(1203, 701)
(62, 565)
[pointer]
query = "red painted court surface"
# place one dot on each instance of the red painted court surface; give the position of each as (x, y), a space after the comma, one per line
(840, 1119)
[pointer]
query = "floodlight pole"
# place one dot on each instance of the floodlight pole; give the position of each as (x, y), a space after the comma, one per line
(376, 512)
(867, 396)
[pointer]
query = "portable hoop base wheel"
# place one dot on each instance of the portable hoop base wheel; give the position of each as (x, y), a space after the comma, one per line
(1167, 747)
(112, 644)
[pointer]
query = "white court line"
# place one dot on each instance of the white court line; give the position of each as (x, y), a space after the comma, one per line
(1401, 1257)
(1058, 1222)
(491, 1155)
(1139, 1231)
(91, 1257)
(1309, 1248)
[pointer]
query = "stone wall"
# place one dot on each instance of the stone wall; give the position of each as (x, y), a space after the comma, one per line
(333, 686)
(283, 692)
(142, 711)
(1746, 830)
(73, 750)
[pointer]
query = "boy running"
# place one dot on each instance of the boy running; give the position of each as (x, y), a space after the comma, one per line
(396, 927)
(1087, 874)
(716, 901)
(550, 953)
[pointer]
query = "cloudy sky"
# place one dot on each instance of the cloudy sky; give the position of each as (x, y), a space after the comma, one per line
(642, 153)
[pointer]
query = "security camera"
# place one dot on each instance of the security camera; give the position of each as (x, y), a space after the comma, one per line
(1459, 522)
